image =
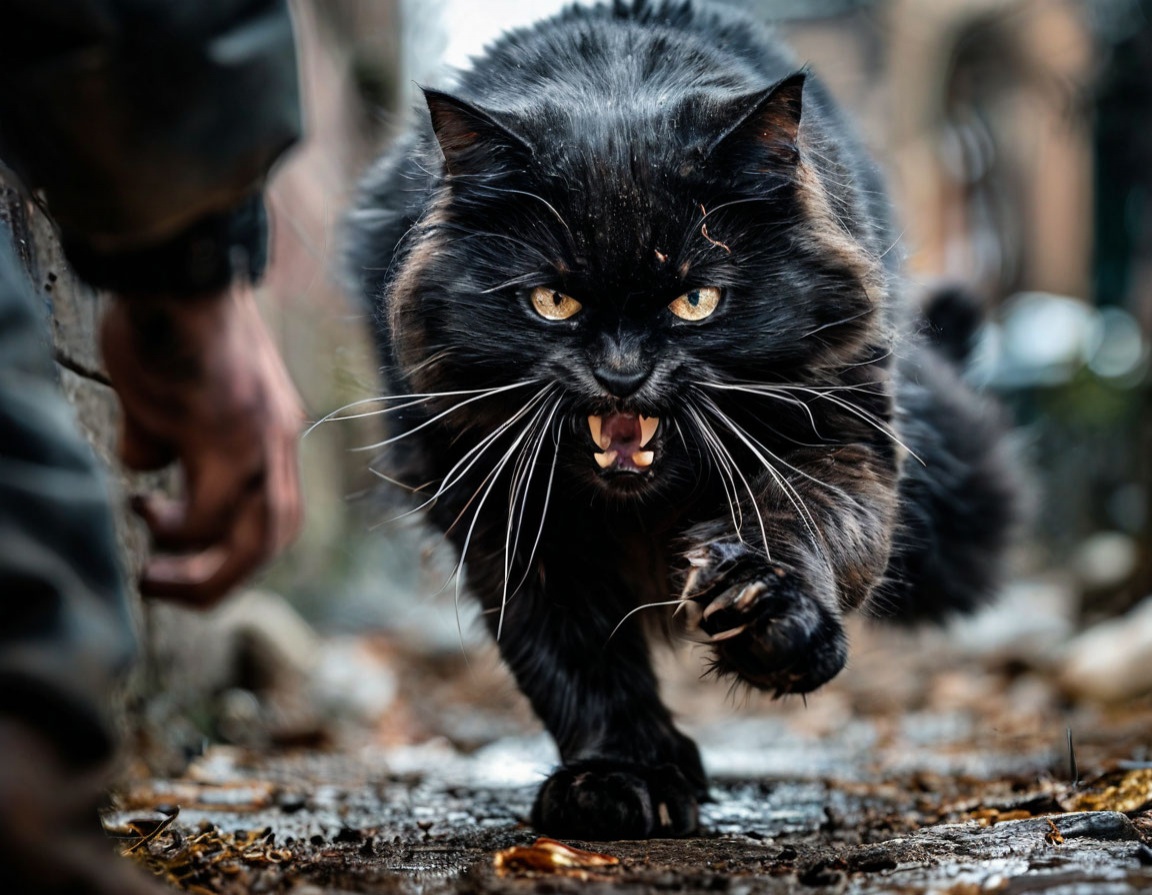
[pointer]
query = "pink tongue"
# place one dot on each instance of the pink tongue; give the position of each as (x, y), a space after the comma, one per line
(622, 430)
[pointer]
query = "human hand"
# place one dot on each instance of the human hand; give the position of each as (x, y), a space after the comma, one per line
(201, 382)
(50, 838)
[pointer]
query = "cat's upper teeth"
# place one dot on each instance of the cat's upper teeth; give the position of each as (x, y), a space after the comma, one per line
(648, 427)
(595, 424)
(625, 432)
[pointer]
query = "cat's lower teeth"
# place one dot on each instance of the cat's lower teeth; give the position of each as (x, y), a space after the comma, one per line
(640, 459)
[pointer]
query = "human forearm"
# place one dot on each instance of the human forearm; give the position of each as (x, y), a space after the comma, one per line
(139, 119)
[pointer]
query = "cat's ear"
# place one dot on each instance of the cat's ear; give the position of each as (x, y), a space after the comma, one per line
(473, 142)
(768, 121)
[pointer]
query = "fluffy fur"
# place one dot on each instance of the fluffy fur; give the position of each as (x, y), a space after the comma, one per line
(814, 455)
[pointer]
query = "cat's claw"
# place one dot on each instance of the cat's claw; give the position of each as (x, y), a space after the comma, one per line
(601, 799)
(766, 628)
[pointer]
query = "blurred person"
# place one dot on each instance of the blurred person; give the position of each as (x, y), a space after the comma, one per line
(148, 126)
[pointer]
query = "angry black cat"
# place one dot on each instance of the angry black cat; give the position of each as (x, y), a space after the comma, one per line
(635, 283)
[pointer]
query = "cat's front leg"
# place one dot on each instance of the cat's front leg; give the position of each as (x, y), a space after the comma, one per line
(627, 772)
(771, 598)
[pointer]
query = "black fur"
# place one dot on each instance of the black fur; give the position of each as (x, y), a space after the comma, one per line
(624, 156)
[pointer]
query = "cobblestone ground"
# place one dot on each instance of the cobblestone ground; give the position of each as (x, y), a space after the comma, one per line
(925, 768)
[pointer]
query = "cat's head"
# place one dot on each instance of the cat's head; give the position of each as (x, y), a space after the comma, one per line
(626, 261)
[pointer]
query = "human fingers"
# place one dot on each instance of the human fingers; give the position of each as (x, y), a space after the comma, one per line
(202, 579)
(205, 516)
(284, 494)
(139, 450)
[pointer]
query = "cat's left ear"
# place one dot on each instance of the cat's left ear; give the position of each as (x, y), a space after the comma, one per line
(472, 140)
(768, 121)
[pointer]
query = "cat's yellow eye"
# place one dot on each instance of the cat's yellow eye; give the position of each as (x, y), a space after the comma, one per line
(696, 304)
(553, 305)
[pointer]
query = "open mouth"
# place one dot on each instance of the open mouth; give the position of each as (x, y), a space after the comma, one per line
(623, 438)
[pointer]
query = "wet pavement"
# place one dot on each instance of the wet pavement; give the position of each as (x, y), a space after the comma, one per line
(923, 769)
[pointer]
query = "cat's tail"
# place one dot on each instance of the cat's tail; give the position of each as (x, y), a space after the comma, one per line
(962, 500)
(953, 314)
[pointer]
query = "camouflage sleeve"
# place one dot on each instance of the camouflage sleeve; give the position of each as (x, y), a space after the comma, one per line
(65, 631)
(149, 124)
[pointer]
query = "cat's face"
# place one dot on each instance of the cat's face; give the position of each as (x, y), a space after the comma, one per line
(622, 269)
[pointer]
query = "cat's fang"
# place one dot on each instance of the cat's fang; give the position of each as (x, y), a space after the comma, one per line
(595, 425)
(648, 427)
(643, 459)
(605, 460)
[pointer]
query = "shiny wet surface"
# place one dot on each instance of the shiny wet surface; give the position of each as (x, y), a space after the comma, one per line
(924, 769)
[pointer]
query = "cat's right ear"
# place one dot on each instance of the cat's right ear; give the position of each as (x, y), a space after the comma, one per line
(472, 141)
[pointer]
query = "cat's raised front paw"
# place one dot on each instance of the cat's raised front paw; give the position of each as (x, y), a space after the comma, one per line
(765, 626)
(602, 799)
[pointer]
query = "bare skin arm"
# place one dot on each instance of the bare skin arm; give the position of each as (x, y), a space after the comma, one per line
(201, 383)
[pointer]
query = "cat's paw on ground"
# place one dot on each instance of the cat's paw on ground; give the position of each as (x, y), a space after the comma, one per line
(603, 799)
(766, 628)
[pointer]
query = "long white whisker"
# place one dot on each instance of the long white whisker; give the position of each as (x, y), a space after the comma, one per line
(631, 613)
(442, 414)
(493, 477)
(470, 458)
(726, 478)
(793, 496)
(488, 440)
(747, 487)
(543, 515)
(412, 399)
(836, 489)
(783, 398)
(779, 392)
(545, 426)
(521, 482)
(871, 419)
(396, 482)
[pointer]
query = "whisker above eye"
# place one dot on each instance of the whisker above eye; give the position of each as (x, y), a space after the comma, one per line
(530, 195)
(841, 322)
(522, 280)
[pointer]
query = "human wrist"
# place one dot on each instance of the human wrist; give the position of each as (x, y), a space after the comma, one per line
(201, 260)
(169, 334)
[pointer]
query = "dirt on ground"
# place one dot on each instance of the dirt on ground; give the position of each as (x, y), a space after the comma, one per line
(926, 767)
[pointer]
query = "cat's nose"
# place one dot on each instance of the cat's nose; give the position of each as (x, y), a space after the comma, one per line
(621, 382)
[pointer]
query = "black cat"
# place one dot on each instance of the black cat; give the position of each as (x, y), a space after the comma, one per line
(637, 283)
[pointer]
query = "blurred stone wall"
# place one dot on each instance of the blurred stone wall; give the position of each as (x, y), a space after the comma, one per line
(73, 310)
